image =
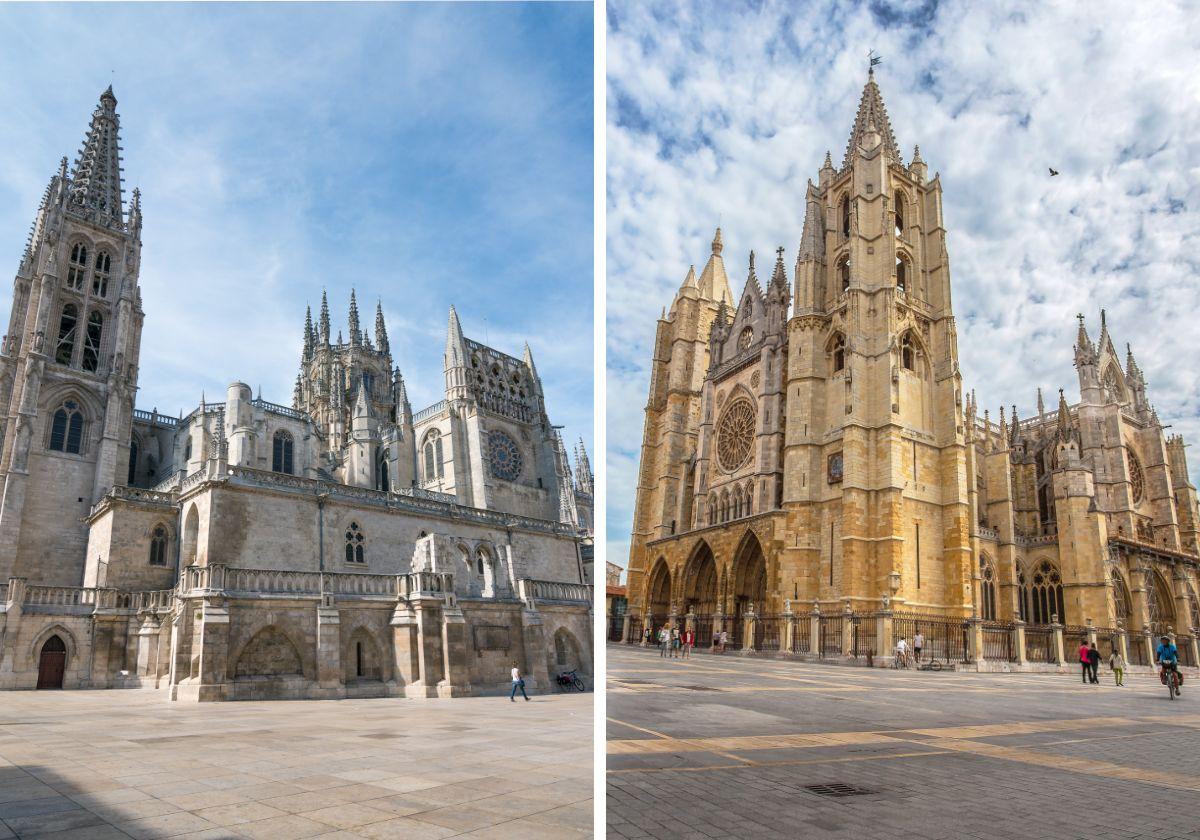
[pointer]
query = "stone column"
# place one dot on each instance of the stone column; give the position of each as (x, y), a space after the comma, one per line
(457, 680)
(214, 652)
(647, 640)
(814, 631)
(718, 625)
(405, 649)
(1195, 644)
(1091, 632)
(975, 639)
(1060, 654)
(788, 643)
(847, 630)
(1019, 641)
(689, 620)
(883, 634)
(427, 611)
(10, 625)
(625, 629)
(329, 649)
(1149, 642)
(147, 645)
(1123, 643)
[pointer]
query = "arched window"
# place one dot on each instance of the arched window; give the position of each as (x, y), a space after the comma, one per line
(749, 500)
(281, 453)
(133, 455)
(354, 544)
(187, 449)
(433, 456)
(1160, 606)
(77, 266)
(67, 325)
(1121, 599)
(844, 272)
(158, 546)
(899, 213)
(987, 590)
(838, 351)
(91, 341)
(381, 474)
(1137, 482)
(907, 354)
(101, 275)
(1041, 594)
(66, 428)
(902, 274)
(845, 216)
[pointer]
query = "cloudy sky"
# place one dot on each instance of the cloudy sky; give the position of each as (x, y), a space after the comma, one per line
(721, 111)
(425, 155)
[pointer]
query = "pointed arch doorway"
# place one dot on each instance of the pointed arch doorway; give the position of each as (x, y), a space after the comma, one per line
(748, 585)
(52, 663)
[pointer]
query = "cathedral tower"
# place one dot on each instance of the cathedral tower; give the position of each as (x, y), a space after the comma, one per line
(69, 363)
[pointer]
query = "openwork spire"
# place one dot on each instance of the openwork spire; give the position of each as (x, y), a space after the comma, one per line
(324, 323)
(96, 178)
(381, 338)
(355, 332)
(872, 117)
(583, 468)
(309, 337)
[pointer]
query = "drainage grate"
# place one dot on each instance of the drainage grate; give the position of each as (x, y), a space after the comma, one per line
(837, 789)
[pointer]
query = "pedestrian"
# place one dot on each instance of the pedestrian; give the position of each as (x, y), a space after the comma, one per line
(918, 643)
(647, 635)
(689, 641)
(1118, 666)
(675, 642)
(1083, 661)
(663, 638)
(517, 682)
(724, 639)
(901, 653)
(1093, 656)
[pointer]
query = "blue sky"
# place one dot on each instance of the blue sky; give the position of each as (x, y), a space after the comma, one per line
(425, 155)
(722, 111)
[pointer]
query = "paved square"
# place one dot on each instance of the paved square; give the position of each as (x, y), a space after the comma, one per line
(101, 764)
(729, 746)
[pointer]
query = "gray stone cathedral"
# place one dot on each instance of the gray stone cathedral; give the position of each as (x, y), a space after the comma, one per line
(343, 546)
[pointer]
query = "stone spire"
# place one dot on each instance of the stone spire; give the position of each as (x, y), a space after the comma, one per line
(583, 469)
(324, 322)
(717, 246)
(872, 117)
(1085, 351)
(690, 280)
(1132, 371)
(1015, 434)
(381, 338)
(96, 177)
(752, 281)
(456, 344)
(1064, 418)
(1002, 438)
(1040, 404)
(309, 337)
(779, 275)
(355, 332)
(713, 283)
(812, 238)
(135, 216)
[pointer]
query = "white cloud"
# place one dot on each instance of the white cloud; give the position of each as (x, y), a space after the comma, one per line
(717, 112)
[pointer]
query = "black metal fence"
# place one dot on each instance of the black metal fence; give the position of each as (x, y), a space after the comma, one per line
(942, 638)
(863, 634)
(736, 627)
(802, 634)
(616, 627)
(703, 627)
(637, 626)
(998, 642)
(768, 633)
(1039, 643)
(830, 634)
(1138, 655)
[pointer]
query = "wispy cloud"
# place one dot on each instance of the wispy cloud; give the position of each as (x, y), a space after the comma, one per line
(723, 111)
(422, 154)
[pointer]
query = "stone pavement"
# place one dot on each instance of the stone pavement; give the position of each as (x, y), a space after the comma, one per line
(119, 764)
(728, 746)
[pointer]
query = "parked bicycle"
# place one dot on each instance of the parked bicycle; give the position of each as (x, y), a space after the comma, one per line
(569, 679)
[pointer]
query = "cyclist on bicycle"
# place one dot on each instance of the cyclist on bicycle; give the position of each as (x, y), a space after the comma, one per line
(901, 653)
(1167, 655)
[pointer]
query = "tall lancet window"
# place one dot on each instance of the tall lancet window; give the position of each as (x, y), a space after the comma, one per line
(77, 266)
(844, 273)
(901, 274)
(91, 342)
(907, 354)
(66, 428)
(68, 326)
(381, 474)
(281, 454)
(899, 214)
(838, 351)
(846, 216)
(101, 274)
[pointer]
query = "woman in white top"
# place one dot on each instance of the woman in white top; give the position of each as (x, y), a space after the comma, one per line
(517, 683)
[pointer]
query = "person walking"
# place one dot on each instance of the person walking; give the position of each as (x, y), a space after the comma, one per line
(1085, 668)
(663, 638)
(1093, 657)
(675, 640)
(724, 639)
(517, 682)
(918, 643)
(648, 634)
(689, 641)
(1118, 666)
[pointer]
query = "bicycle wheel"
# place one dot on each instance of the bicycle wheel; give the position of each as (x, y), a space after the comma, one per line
(579, 684)
(935, 665)
(1171, 685)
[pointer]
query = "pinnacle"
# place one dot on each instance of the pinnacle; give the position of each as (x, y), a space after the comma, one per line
(717, 245)
(872, 117)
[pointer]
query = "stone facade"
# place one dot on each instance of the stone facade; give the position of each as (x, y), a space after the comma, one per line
(813, 446)
(345, 545)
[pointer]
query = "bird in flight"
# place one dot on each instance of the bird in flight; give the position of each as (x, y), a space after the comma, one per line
(1053, 171)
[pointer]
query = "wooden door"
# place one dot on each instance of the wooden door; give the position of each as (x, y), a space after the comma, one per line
(52, 663)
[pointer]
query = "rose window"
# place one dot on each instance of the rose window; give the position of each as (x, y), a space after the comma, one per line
(504, 457)
(735, 435)
(745, 338)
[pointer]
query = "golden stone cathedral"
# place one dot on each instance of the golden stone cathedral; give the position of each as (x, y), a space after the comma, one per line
(826, 456)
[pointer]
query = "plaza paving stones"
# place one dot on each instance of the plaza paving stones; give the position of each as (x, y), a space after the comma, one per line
(121, 764)
(950, 756)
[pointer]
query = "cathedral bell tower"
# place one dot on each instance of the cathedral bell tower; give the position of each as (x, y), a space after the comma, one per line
(874, 452)
(69, 363)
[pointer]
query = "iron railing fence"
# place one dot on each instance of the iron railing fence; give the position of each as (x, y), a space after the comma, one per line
(942, 637)
(830, 634)
(998, 641)
(768, 633)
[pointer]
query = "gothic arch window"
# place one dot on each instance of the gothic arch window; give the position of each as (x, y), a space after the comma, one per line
(432, 452)
(1041, 594)
(987, 589)
(749, 497)
(158, 546)
(1121, 599)
(355, 544)
(187, 449)
(66, 428)
(724, 505)
(282, 447)
(908, 353)
(91, 341)
(101, 274)
(77, 266)
(68, 325)
(843, 271)
(901, 274)
(899, 213)
(837, 349)
(1112, 384)
(846, 216)
(133, 456)
(382, 481)
(1159, 605)
(1137, 481)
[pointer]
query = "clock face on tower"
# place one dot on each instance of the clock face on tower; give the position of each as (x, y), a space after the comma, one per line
(504, 458)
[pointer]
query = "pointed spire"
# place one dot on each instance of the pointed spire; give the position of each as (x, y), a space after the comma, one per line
(690, 280)
(872, 117)
(309, 338)
(717, 247)
(456, 344)
(1064, 418)
(1015, 435)
(1040, 404)
(1131, 366)
(528, 358)
(828, 160)
(583, 468)
(916, 158)
(713, 283)
(1002, 440)
(355, 332)
(96, 177)
(381, 336)
(812, 238)
(752, 280)
(324, 323)
(1104, 340)
(779, 281)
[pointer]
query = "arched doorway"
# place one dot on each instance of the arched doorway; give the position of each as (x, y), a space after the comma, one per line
(1160, 606)
(191, 536)
(700, 582)
(749, 578)
(658, 598)
(52, 663)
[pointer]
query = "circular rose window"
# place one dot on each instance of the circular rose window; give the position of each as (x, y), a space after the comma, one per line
(735, 435)
(746, 338)
(504, 457)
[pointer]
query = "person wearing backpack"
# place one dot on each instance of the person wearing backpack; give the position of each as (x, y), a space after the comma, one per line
(1117, 663)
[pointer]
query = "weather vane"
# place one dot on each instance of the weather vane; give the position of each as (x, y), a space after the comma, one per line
(873, 59)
